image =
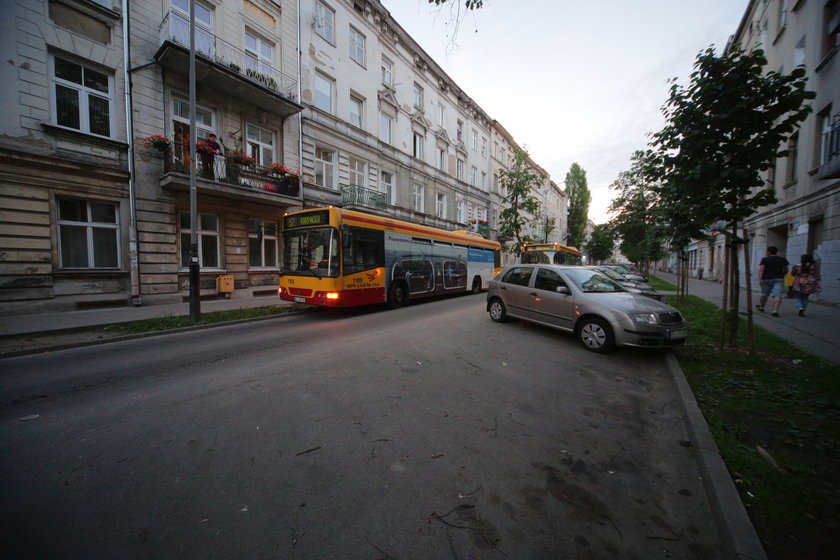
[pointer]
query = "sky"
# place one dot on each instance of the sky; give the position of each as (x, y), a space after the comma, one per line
(573, 82)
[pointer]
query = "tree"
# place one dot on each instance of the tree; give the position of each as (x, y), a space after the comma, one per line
(469, 4)
(724, 129)
(518, 184)
(636, 217)
(600, 246)
(579, 199)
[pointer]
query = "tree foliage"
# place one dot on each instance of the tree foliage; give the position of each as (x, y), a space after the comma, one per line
(518, 184)
(469, 4)
(637, 219)
(600, 245)
(579, 200)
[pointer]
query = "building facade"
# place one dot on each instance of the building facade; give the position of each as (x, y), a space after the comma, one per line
(298, 104)
(806, 218)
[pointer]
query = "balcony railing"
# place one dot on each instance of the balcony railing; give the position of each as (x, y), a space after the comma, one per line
(360, 196)
(480, 227)
(176, 28)
(225, 169)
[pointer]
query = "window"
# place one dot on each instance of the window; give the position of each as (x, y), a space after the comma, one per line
(323, 93)
(484, 146)
(441, 115)
(548, 280)
(519, 276)
(259, 55)
(831, 27)
(364, 249)
(829, 128)
(357, 172)
(473, 176)
(356, 105)
(418, 145)
(459, 170)
(418, 97)
(460, 215)
(83, 98)
(325, 22)
(799, 53)
(324, 176)
(793, 152)
(387, 70)
(475, 140)
(260, 145)
(386, 184)
(205, 42)
(419, 198)
(441, 205)
(442, 159)
(262, 244)
(782, 15)
(483, 181)
(386, 128)
(89, 234)
(204, 123)
(207, 227)
(459, 132)
(357, 46)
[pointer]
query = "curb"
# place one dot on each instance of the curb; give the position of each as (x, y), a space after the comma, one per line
(123, 338)
(736, 531)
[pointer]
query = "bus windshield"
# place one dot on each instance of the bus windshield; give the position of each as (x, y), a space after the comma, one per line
(311, 251)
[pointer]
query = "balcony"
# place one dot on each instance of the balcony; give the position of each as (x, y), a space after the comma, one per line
(830, 169)
(354, 195)
(224, 176)
(481, 227)
(227, 69)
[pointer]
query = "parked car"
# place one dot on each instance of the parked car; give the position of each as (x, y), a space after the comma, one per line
(629, 271)
(632, 286)
(600, 312)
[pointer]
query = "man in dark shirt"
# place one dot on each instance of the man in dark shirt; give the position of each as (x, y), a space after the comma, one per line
(771, 278)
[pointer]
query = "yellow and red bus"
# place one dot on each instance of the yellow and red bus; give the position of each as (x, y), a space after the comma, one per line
(550, 253)
(343, 258)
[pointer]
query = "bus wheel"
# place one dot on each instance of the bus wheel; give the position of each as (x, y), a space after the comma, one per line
(476, 287)
(397, 295)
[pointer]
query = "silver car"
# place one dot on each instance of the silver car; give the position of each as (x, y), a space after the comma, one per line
(598, 310)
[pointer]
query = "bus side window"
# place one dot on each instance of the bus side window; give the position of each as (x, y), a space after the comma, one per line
(363, 249)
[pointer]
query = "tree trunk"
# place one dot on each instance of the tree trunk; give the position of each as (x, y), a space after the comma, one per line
(725, 302)
(735, 290)
(748, 288)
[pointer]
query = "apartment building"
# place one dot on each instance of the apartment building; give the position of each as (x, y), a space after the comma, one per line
(806, 218)
(93, 212)
(386, 130)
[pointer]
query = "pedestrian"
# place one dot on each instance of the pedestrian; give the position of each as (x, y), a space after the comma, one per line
(806, 281)
(771, 278)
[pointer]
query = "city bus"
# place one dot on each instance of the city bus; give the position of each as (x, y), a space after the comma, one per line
(343, 258)
(550, 253)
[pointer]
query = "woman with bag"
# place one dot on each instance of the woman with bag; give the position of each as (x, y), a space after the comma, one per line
(806, 281)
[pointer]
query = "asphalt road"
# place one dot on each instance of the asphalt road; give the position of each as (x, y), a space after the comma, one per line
(420, 433)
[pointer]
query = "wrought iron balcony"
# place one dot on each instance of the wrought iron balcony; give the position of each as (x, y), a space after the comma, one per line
(354, 195)
(232, 171)
(225, 67)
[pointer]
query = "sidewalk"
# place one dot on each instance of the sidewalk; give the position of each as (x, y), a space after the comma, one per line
(815, 332)
(11, 325)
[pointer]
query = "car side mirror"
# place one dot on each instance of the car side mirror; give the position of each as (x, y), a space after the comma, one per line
(563, 290)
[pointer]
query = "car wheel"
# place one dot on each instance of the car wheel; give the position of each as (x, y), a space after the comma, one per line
(397, 295)
(497, 311)
(476, 285)
(596, 335)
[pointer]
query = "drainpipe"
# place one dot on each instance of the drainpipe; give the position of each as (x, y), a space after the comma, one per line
(300, 100)
(132, 194)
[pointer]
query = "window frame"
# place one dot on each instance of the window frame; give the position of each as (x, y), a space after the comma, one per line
(83, 96)
(418, 97)
(261, 238)
(357, 102)
(90, 226)
(331, 84)
(387, 186)
(357, 168)
(261, 64)
(386, 70)
(418, 144)
(325, 19)
(185, 236)
(386, 125)
(419, 192)
(260, 145)
(357, 44)
(440, 205)
(327, 167)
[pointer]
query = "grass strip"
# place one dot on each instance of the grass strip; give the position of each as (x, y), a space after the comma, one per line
(774, 415)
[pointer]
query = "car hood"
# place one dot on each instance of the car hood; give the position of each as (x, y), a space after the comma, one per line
(627, 302)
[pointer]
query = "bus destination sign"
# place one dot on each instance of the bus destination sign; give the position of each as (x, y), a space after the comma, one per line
(320, 218)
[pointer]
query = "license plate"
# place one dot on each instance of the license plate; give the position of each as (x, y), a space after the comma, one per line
(300, 300)
(677, 334)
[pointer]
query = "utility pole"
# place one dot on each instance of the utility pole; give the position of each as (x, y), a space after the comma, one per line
(195, 269)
